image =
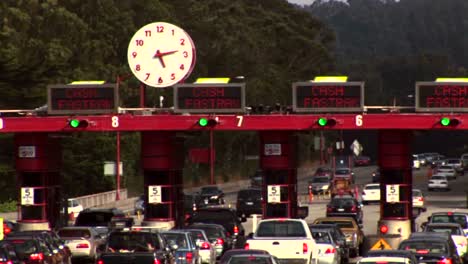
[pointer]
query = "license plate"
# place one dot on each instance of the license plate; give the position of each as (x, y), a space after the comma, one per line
(340, 210)
(249, 203)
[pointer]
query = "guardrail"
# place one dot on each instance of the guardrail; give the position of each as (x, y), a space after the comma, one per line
(98, 199)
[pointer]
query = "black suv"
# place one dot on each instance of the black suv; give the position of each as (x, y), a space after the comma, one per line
(249, 201)
(211, 195)
(227, 217)
(100, 219)
(345, 206)
(432, 247)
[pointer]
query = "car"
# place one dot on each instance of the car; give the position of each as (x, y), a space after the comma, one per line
(211, 195)
(99, 218)
(456, 232)
(257, 179)
(346, 173)
(191, 202)
(8, 254)
(183, 245)
(33, 249)
(140, 205)
(455, 163)
(351, 229)
(371, 193)
(384, 259)
(329, 250)
(431, 247)
(362, 160)
(449, 217)
(464, 159)
(323, 171)
(408, 256)
(438, 182)
(58, 247)
(448, 171)
(249, 201)
(227, 217)
(376, 176)
(74, 208)
(205, 248)
(338, 236)
(418, 199)
(82, 241)
(421, 159)
(345, 205)
(320, 184)
(226, 258)
(416, 163)
(216, 235)
(437, 161)
(341, 186)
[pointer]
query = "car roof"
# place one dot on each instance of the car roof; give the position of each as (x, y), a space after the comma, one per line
(336, 219)
(444, 224)
(430, 236)
(372, 184)
(450, 213)
(215, 209)
(387, 259)
(390, 253)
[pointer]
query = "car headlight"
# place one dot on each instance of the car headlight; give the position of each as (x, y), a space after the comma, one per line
(325, 187)
(214, 197)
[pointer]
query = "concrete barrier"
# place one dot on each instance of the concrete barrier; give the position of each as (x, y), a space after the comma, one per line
(99, 199)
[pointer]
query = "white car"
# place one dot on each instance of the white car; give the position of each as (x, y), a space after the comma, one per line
(371, 193)
(385, 259)
(438, 182)
(74, 208)
(206, 250)
(327, 249)
(455, 163)
(448, 171)
(418, 199)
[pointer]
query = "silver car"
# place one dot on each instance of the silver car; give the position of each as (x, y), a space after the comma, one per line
(82, 241)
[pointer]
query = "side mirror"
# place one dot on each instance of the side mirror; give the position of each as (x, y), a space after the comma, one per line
(243, 219)
(250, 235)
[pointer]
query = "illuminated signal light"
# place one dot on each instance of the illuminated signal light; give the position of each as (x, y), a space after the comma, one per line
(207, 122)
(323, 122)
(383, 229)
(449, 122)
(78, 123)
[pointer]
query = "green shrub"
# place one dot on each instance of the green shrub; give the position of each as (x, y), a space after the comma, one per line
(9, 206)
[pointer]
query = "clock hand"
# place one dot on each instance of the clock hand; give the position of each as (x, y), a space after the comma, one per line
(160, 57)
(166, 53)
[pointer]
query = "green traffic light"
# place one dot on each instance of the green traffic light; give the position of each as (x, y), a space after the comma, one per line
(74, 123)
(203, 122)
(445, 121)
(322, 121)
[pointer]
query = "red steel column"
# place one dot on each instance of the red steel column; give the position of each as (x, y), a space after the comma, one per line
(279, 166)
(38, 160)
(396, 172)
(162, 162)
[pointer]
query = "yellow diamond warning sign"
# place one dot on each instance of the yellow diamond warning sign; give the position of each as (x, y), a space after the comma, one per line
(381, 245)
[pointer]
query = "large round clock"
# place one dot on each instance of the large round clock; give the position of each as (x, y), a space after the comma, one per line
(161, 54)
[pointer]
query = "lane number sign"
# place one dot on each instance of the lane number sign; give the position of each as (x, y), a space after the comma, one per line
(27, 196)
(27, 151)
(393, 193)
(274, 193)
(154, 194)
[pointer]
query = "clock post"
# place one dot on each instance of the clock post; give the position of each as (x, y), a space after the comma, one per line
(161, 55)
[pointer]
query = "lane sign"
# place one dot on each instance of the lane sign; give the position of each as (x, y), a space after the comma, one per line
(274, 193)
(154, 194)
(393, 193)
(27, 196)
(381, 244)
(26, 151)
(272, 150)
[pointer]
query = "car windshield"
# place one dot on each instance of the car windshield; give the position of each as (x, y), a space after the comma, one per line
(209, 189)
(341, 224)
(214, 217)
(250, 193)
(342, 172)
(372, 187)
(453, 161)
(74, 233)
(424, 247)
(321, 237)
(417, 193)
(178, 239)
(132, 242)
(343, 202)
(212, 233)
(453, 230)
(460, 219)
(320, 179)
(322, 170)
(94, 219)
(281, 229)
(436, 177)
(24, 247)
(247, 259)
(446, 168)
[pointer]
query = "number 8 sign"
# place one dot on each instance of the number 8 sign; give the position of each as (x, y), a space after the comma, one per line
(154, 194)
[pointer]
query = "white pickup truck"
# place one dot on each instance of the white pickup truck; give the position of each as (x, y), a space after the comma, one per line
(290, 240)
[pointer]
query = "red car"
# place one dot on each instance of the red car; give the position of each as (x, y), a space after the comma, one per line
(361, 161)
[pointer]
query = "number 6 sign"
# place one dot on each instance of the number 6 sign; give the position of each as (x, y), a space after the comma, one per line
(154, 194)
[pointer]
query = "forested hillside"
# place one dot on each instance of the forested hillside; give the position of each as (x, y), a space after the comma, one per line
(45, 42)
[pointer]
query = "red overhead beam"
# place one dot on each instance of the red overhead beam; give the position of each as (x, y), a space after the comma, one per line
(294, 122)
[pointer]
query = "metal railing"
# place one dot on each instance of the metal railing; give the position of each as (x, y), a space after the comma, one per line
(98, 199)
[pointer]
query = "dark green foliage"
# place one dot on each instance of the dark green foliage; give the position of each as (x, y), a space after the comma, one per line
(45, 42)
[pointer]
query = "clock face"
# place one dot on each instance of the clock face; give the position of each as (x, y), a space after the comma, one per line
(161, 54)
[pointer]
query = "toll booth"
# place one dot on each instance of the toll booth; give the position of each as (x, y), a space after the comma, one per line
(278, 162)
(162, 164)
(396, 214)
(38, 160)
